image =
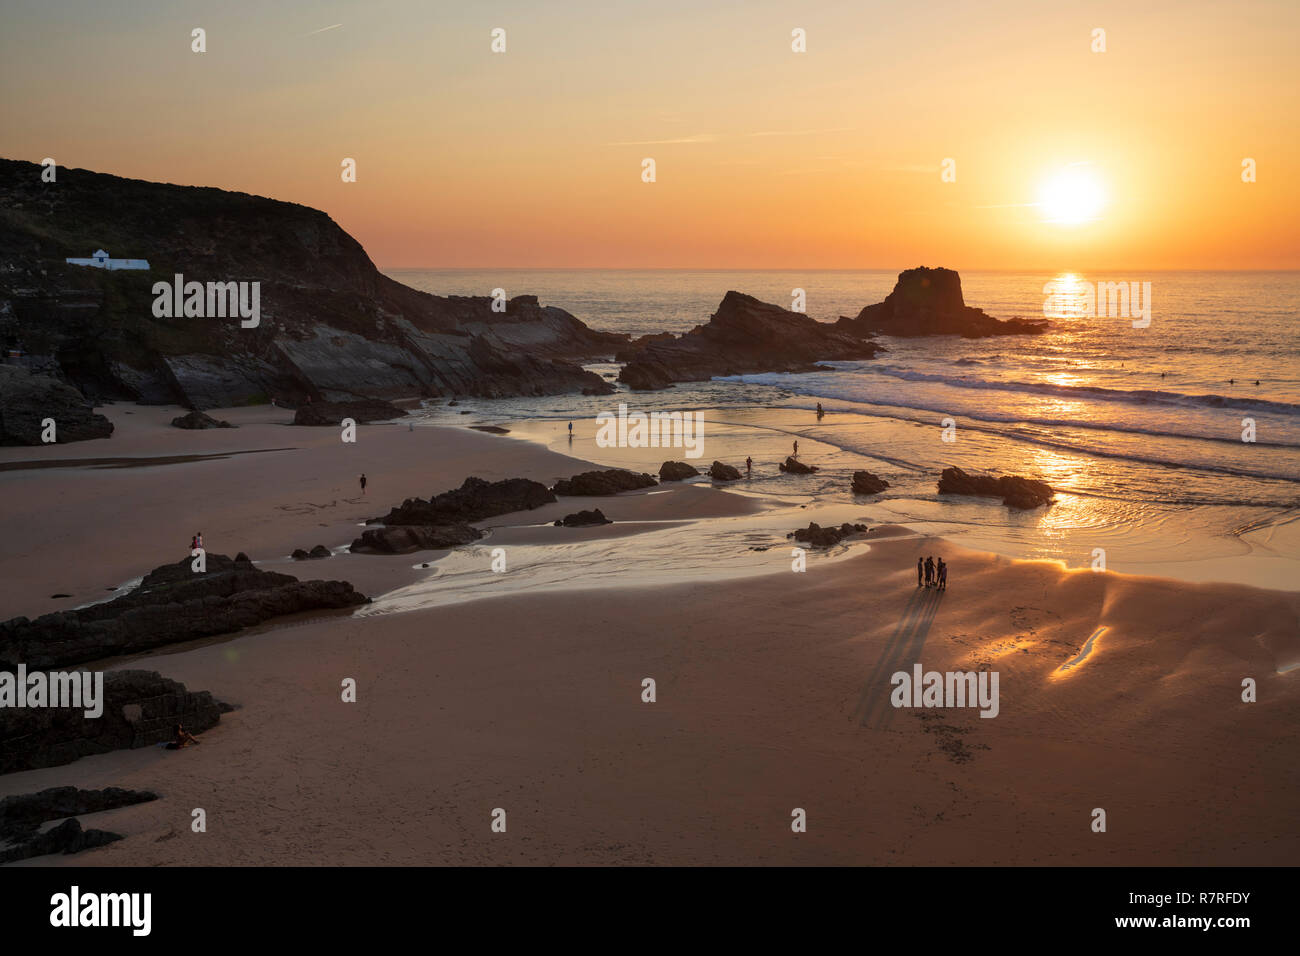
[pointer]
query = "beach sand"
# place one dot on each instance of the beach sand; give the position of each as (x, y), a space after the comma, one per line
(773, 690)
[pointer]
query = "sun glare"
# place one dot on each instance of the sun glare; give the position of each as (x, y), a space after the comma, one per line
(1072, 196)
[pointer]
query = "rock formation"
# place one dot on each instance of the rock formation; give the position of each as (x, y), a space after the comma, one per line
(316, 553)
(720, 472)
(583, 519)
(865, 483)
(820, 537)
(929, 302)
(332, 327)
(332, 413)
(743, 336)
(172, 604)
(596, 483)
(403, 539)
(196, 420)
(1015, 491)
(22, 816)
(474, 500)
(26, 400)
(795, 467)
(140, 708)
(677, 471)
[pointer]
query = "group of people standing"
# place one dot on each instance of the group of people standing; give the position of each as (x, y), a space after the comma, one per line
(930, 574)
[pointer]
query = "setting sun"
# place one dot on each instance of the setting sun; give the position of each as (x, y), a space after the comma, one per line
(1072, 197)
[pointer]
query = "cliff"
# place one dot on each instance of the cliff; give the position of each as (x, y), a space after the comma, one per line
(332, 327)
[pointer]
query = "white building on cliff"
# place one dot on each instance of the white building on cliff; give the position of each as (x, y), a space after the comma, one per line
(100, 260)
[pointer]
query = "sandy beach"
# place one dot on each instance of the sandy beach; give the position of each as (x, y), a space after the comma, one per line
(772, 686)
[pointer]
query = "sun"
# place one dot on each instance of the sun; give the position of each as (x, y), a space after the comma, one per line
(1073, 196)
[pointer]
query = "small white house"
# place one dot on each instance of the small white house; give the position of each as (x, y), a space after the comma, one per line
(100, 260)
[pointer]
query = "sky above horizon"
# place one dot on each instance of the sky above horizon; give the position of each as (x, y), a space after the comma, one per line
(1062, 158)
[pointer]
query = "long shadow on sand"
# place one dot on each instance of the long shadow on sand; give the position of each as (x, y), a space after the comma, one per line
(900, 652)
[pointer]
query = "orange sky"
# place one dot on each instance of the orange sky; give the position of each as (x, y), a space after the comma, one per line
(765, 158)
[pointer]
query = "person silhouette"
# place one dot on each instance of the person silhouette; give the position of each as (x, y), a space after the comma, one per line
(749, 467)
(796, 450)
(363, 484)
(929, 571)
(920, 572)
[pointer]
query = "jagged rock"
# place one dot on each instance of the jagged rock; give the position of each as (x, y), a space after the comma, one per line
(197, 419)
(820, 537)
(403, 539)
(743, 336)
(720, 472)
(22, 815)
(583, 519)
(929, 302)
(316, 553)
(474, 500)
(67, 838)
(865, 483)
(332, 327)
(172, 604)
(625, 354)
(595, 483)
(677, 471)
(26, 400)
(1014, 490)
(795, 467)
(332, 413)
(140, 708)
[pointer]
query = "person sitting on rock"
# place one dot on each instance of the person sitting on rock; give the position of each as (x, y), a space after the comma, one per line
(183, 739)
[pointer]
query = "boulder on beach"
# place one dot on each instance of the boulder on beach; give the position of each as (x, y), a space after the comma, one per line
(491, 429)
(744, 336)
(474, 500)
(360, 411)
(820, 537)
(583, 519)
(720, 472)
(599, 483)
(865, 483)
(28, 400)
(23, 815)
(677, 471)
(1014, 490)
(139, 708)
(315, 554)
(173, 603)
(929, 302)
(66, 838)
(794, 466)
(197, 419)
(403, 539)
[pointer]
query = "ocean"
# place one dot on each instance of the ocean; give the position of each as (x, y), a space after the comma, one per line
(1140, 430)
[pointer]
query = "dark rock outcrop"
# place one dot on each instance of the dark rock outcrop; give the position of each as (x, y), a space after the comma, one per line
(403, 539)
(68, 837)
(333, 413)
(140, 708)
(583, 519)
(332, 326)
(172, 604)
(795, 467)
(26, 400)
(820, 537)
(199, 420)
(865, 483)
(491, 429)
(474, 500)
(22, 815)
(1014, 490)
(677, 471)
(596, 483)
(929, 302)
(743, 336)
(720, 472)
(315, 554)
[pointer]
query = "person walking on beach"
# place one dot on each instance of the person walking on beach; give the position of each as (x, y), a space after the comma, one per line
(749, 467)
(570, 431)
(920, 572)
(929, 571)
(796, 449)
(820, 413)
(943, 575)
(363, 483)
